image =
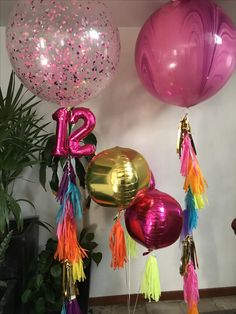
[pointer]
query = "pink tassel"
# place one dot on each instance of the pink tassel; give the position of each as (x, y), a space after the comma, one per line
(191, 293)
(187, 154)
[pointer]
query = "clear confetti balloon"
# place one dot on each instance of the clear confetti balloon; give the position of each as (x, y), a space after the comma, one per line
(64, 51)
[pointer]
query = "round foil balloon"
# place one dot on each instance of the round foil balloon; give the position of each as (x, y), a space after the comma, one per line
(155, 221)
(152, 183)
(186, 51)
(63, 51)
(116, 176)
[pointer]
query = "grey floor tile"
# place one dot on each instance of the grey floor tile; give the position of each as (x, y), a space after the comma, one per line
(101, 309)
(164, 307)
(205, 305)
(117, 309)
(226, 303)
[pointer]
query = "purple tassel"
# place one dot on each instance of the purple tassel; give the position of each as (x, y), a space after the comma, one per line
(185, 229)
(73, 307)
(68, 174)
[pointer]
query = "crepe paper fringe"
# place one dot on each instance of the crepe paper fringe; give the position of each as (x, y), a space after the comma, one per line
(131, 246)
(192, 211)
(68, 247)
(78, 271)
(193, 309)
(190, 169)
(150, 285)
(185, 229)
(68, 175)
(72, 195)
(191, 293)
(186, 155)
(73, 307)
(117, 245)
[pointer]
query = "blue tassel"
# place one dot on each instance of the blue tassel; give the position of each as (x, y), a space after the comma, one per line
(75, 198)
(192, 211)
(63, 310)
(73, 193)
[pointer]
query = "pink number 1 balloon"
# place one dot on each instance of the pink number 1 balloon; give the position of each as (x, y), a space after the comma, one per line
(71, 145)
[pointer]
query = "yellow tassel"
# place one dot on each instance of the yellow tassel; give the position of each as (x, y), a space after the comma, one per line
(131, 246)
(150, 286)
(78, 271)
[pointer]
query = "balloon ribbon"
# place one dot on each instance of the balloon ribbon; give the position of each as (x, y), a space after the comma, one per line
(68, 251)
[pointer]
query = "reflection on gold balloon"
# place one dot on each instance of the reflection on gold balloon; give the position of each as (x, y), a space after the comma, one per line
(116, 176)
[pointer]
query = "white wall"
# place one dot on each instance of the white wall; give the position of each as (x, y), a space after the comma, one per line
(128, 116)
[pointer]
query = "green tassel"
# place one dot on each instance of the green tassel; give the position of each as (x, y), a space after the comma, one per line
(131, 246)
(150, 286)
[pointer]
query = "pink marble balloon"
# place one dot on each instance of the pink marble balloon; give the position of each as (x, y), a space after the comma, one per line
(155, 220)
(186, 51)
(64, 51)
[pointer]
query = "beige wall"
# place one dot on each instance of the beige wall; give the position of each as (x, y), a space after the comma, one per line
(128, 116)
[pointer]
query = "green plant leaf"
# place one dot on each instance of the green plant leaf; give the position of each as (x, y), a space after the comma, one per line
(40, 306)
(89, 245)
(54, 183)
(42, 174)
(45, 225)
(4, 246)
(51, 245)
(4, 212)
(89, 236)
(16, 211)
(90, 139)
(26, 201)
(55, 270)
(38, 281)
(49, 295)
(26, 296)
(80, 171)
(96, 257)
(82, 235)
(87, 203)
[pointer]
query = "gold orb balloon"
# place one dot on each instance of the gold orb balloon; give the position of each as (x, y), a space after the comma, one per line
(115, 177)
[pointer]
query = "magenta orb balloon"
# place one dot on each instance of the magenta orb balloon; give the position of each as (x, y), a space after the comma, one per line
(186, 51)
(155, 221)
(63, 51)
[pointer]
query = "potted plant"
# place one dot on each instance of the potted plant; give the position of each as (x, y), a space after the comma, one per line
(7, 287)
(22, 137)
(43, 293)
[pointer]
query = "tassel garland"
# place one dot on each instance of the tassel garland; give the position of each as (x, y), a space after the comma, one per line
(68, 251)
(195, 186)
(150, 285)
(117, 245)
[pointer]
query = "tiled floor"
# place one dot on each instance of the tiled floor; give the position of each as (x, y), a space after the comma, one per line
(220, 305)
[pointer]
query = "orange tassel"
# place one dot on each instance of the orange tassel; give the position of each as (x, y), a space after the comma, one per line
(193, 309)
(195, 179)
(117, 245)
(68, 247)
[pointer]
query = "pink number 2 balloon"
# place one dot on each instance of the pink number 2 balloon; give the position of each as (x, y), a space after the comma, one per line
(71, 145)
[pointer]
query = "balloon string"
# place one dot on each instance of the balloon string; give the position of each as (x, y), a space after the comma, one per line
(129, 276)
(136, 301)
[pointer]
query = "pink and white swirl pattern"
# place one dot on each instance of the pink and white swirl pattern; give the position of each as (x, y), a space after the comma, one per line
(186, 51)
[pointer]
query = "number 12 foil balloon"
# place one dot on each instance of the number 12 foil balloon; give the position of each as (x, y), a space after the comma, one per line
(63, 51)
(186, 51)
